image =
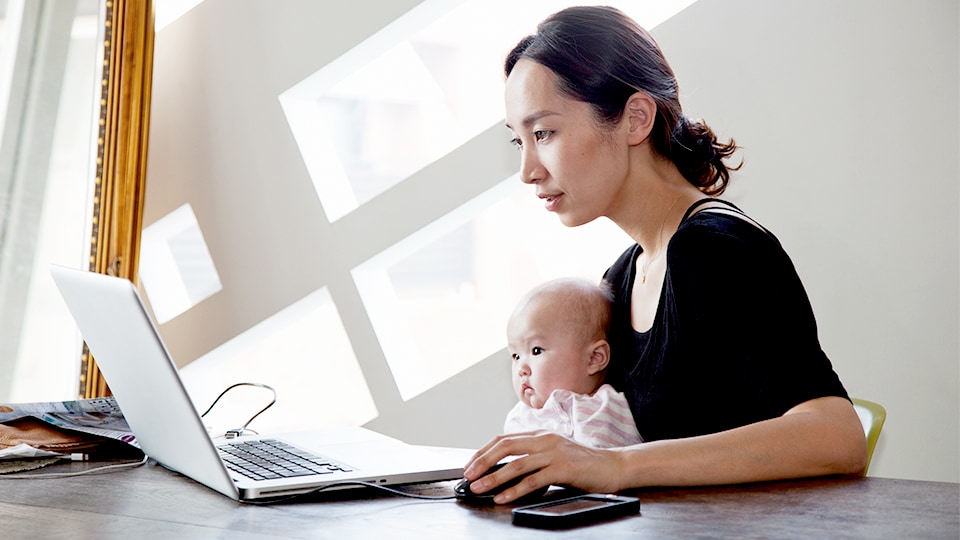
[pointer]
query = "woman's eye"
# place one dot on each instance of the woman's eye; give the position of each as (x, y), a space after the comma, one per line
(537, 351)
(542, 135)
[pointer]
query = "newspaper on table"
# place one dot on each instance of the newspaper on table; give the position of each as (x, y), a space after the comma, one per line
(97, 416)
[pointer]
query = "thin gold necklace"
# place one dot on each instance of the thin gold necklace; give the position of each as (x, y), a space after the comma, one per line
(650, 259)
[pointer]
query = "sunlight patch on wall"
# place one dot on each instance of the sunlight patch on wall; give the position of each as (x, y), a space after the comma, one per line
(175, 265)
(395, 103)
(303, 352)
(439, 299)
(412, 93)
(167, 11)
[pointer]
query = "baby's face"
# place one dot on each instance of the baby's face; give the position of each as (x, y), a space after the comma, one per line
(546, 354)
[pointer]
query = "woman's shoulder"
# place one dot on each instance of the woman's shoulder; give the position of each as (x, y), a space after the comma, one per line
(622, 270)
(719, 246)
(722, 228)
(629, 256)
(713, 251)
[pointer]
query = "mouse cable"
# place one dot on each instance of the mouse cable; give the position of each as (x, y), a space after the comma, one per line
(236, 432)
(128, 465)
(353, 483)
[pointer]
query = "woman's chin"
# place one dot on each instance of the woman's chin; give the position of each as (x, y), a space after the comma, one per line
(571, 220)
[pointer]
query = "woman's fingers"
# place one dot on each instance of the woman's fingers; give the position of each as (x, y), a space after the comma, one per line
(530, 482)
(545, 459)
(556, 460)
(500, 447)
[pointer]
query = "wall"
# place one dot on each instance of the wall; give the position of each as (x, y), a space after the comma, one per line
(848, 112)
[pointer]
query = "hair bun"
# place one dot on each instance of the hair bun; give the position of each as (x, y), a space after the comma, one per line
(700, 156)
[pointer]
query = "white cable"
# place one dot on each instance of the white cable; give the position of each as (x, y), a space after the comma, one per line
(78, 473)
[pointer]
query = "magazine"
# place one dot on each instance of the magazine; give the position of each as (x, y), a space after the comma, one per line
(96, 416)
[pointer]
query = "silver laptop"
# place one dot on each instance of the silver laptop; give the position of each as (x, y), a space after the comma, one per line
(144, 380)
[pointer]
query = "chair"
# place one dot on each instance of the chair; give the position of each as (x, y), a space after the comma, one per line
(872, 415)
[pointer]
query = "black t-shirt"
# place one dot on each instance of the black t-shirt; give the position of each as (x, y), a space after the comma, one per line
(734, 340)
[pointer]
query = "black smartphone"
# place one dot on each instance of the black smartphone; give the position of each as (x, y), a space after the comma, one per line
(575, 511)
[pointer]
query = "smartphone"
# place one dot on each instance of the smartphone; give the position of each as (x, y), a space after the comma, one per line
(575, 511)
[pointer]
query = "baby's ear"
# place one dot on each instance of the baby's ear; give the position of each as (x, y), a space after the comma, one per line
(599, 357)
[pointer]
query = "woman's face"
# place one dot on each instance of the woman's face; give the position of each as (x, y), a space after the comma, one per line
(577, 167)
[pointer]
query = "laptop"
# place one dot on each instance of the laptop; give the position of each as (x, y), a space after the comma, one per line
(144, 380)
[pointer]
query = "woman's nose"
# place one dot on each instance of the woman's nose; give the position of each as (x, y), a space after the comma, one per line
(531, 171)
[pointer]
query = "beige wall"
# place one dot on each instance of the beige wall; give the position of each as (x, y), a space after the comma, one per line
(848, 112)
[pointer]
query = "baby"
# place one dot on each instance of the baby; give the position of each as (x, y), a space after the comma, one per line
(556, 337)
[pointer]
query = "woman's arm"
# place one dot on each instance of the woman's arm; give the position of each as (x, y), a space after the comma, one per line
(818, 437)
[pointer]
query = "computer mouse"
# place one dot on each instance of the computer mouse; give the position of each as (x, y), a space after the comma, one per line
(464, 494)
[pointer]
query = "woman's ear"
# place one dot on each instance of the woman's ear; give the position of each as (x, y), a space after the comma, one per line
(640, 113)
(599, 357)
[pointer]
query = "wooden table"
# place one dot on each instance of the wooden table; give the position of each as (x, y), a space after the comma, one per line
(152, 502)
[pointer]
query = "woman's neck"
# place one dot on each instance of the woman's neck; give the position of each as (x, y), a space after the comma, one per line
(652, 204)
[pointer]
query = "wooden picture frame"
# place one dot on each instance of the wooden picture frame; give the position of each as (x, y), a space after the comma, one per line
(121, 153)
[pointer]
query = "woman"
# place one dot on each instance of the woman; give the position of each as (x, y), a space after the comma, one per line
(712, 338)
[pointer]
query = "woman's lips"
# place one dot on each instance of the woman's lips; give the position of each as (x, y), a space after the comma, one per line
(550, 202)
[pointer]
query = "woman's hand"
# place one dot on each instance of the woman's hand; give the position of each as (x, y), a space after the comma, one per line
(547, 459)
(818, 437)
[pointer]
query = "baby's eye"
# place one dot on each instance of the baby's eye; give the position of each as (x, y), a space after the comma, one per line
(537, 351)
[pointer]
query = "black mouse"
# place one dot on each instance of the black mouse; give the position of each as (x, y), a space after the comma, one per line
(463, 492)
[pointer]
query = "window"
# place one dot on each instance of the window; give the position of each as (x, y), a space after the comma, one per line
(47, 83)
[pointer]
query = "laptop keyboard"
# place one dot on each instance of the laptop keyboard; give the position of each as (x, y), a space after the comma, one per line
(270, 459)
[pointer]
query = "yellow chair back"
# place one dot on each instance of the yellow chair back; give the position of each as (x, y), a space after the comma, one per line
(872, 416)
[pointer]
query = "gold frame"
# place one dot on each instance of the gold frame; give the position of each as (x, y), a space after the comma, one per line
(120, 183)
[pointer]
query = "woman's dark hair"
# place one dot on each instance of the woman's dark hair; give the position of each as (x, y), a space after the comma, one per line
(602, 57)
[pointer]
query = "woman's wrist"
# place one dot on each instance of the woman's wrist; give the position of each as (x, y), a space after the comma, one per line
(656, 463)
(629, 464)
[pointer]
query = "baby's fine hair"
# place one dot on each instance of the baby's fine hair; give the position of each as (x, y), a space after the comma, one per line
(584, 304)
(602, 57)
